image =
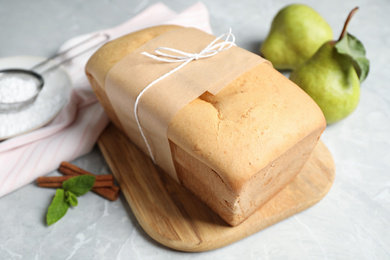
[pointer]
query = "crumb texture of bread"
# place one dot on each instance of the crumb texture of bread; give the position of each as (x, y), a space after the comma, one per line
(234, 150)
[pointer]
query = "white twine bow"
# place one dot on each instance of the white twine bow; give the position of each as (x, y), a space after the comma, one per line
(180, 56)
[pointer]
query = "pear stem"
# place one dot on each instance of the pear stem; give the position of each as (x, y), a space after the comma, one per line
(344, 31)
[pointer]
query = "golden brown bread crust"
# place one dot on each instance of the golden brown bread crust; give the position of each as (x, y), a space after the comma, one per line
(237, 149)
(109, 54)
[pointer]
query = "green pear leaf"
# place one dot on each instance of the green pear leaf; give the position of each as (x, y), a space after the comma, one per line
(58, 207)
(350, 46)
(79, 185)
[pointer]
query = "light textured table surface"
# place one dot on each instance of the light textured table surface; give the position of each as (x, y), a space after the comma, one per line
(351, 222)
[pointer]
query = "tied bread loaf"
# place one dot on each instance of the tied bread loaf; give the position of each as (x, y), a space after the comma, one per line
(234, 150)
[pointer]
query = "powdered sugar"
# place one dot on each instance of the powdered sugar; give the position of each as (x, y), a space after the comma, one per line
(53, 96)
(15, 89)
(33, 117)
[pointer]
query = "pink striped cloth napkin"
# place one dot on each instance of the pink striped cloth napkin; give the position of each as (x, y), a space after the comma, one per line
(75, 130)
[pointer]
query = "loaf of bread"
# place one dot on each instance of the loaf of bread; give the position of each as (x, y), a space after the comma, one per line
(234, 150)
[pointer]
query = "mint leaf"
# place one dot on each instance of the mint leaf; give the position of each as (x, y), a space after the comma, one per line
(58, 207)
(71, 198)
(79, 185)
(350, 46)
(75, 186)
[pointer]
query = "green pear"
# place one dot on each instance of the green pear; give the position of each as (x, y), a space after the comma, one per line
(331, 80)
(297, 32)
(332, 77)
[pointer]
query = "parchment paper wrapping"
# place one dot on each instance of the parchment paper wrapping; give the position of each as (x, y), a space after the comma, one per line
(163, 100)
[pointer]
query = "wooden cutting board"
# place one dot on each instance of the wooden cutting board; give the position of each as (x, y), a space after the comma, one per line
(177, 219)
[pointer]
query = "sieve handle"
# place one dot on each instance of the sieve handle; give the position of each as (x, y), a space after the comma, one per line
(96, 35)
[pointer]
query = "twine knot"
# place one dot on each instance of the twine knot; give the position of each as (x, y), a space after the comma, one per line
(172, 55)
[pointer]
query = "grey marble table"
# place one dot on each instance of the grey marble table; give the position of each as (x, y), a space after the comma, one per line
(351, 222)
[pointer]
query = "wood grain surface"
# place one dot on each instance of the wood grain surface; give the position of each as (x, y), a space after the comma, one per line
(175, 218)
